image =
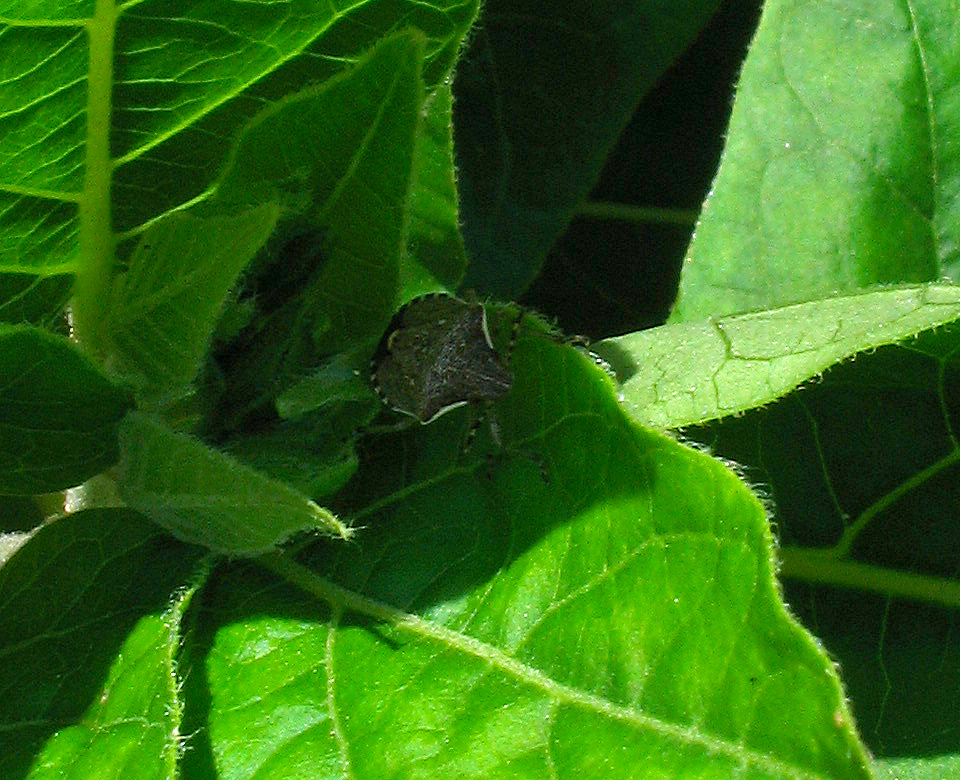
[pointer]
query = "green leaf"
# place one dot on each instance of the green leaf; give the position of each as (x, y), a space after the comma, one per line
(315, 454)
(338, 380)
(173, 132)
(88, 633)
(351, 197)
(352, 188)
(491, 623)
(135, 138)
(164, 307)
(933, 768)
(206, 497)
(861, 469)
(541, 96)
(839, 172)
(42, 166)
(435, 259)
(58, 413)
(688, 373)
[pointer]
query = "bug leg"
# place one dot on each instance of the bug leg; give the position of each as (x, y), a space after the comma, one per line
(475, 425)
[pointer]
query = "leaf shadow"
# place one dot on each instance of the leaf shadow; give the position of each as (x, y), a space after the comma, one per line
(63, 678)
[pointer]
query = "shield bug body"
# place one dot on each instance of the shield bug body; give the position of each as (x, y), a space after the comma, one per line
(436, 355)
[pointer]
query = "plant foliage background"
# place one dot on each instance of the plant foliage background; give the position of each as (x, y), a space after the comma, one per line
(224, 558)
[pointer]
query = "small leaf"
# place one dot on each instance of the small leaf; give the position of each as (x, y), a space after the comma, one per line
(58, 413)
(689, 373)
(339, 379)
(348, 196)
(204, 496)
(165, 306)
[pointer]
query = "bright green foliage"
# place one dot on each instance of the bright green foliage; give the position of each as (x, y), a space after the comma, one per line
(493, 621)
(840, 171)
(689, 373)
(205, 496)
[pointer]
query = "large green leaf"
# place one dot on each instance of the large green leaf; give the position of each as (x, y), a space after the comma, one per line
(523, 617)
(841, 172)
(505, 612)
(58, 413)
(862, 468)
(88, 635)
(117, 114)
(842, 165)
(541, 96)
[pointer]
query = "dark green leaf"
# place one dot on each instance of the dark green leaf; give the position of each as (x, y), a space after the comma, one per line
(435, 259)
(19, 513)
(26, 297)
(541, 96)
(58, 413)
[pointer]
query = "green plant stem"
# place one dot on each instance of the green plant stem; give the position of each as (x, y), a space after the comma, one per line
(96, 234)
(824, 567)
(850, 534)
(627, 213)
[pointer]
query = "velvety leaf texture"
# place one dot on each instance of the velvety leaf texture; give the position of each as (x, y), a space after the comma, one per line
(263, 517)
(204, 496)
(494, 621)
(164, 307)
(88, 638)
(688, 373)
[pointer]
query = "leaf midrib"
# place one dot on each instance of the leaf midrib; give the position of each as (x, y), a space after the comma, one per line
(342, 599)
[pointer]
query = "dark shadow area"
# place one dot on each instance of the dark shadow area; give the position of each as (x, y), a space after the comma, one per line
(607, 277)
